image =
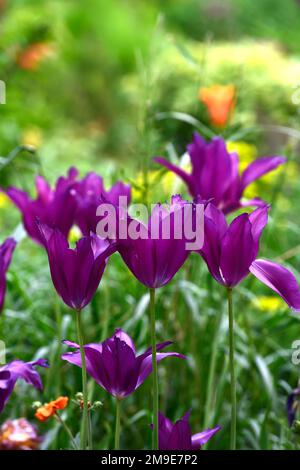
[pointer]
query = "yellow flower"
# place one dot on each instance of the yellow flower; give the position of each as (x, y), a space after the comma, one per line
(32, 137)
(169, 183)
(4, 200)
(269, 303)
(246, 152)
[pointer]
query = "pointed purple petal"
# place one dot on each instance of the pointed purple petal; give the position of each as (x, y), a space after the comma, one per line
(201, 438)
(279, 279)
(146, 366)
(259, 168)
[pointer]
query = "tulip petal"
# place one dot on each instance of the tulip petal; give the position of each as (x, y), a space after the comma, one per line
(260, 167)
(146, 366)
(279, 279)
(203, 437)
(237, 251)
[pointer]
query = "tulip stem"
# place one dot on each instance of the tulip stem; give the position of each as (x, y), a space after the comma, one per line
(154, 371)
(118, 424)
(85, 426)
(232, 371)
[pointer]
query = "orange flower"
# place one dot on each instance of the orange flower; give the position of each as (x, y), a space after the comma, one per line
(30, 57)
(49, 409)
(219, 101)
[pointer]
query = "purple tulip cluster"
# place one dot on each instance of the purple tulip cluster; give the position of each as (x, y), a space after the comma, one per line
(229, 250)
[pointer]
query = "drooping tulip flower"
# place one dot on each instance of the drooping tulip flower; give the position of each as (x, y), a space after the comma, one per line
(116, 367)
(215, 173)
(19, 434)
(293, 404)
(76, 273)
(230, 252)
(114, 364)
(10, 373)
(178, 435)
(6, 252)
(90, 193)
(219, 101)
(54, 207)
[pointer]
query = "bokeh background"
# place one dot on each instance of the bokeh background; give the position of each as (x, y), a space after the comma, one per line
(104, 86)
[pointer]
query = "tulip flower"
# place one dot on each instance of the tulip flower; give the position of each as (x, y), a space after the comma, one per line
(155, 258)
(293, 404)
(19, 434)
(215, 173)
(90, 193)
(6, 252)
(178, 436)
(230, 253)
(54, 207)
(116, 367)
(10, 373)
(219, 101)
(76, 274)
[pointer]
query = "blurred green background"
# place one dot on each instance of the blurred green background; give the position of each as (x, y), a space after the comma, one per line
(97, 85)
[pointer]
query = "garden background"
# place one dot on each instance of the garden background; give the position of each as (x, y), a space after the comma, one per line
(105, 86)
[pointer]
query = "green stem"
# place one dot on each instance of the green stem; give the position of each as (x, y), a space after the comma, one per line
(67, 429)
(154, 371)
(232, 371)
(85, 426)
(118, 424)
(212, 372)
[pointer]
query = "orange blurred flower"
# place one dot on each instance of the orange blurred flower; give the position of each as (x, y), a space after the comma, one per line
(219, 101)
(32, 55)
(49, 409)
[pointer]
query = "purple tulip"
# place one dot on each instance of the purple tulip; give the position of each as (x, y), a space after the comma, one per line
(215, 173)
(153, 258)
(10, 373)
(6, 251)
(230, 253)
(293, 404)
(114, 364)
(54, 207)
(178, 436)
(90, 194)
(76, 273)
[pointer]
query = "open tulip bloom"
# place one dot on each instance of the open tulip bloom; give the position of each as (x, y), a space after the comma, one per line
(178, 435)
(6, 252)
(10, 373)
(215, 173)
(230, 253)
(76, 274)
(54, 207)
(116, 367)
